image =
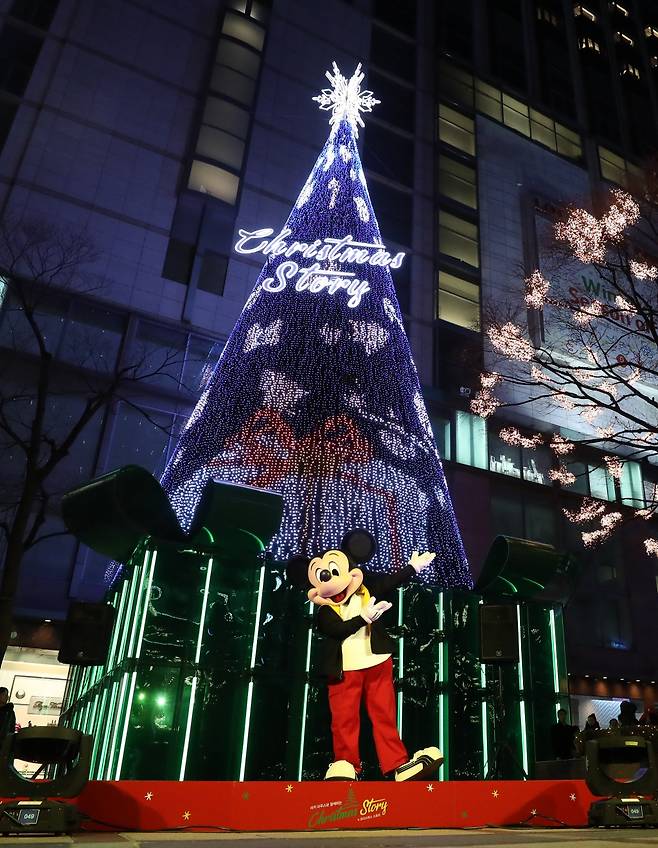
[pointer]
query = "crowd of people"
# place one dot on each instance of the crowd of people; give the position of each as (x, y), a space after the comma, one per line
(569, 741)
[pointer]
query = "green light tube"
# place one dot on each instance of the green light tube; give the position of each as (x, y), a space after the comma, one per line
(556, 676)
(522, 716)
(137, 617)
(400, 659)
(130, 616)
(483, 718)
(118, 624)
(106, 736)
(116, 723)
(197, 657)
(126, 724)
(441, 694)
(250, 688)
(307, 666)
(138, 648)
(96, 747)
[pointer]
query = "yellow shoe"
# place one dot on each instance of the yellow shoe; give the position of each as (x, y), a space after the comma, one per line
(340, 770)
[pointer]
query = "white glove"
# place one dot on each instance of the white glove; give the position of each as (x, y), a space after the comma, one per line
(421, 561)
(373, 609)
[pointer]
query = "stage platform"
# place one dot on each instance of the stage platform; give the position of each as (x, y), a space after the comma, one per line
(325, 806)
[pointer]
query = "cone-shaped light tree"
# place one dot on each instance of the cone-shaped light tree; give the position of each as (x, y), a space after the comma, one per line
(316, 394)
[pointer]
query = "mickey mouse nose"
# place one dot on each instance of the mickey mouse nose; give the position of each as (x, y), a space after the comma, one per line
(325, 575)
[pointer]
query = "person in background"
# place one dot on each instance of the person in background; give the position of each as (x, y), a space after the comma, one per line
(7, 715)
(627, 717)
(562, 736)
(613, 724)
(591, 729)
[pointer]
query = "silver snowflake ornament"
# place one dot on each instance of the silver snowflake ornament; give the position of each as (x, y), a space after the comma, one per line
(345, 99)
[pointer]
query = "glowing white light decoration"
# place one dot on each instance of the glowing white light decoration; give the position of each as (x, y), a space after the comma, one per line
(331, 416)
(334, 186)
(562, 475)
(258, 335)
(589, 510)
(512, 436)
(643, 271)
(536, 289)
(510, 341)
(345, 100)
(362, 209)
(651, 546)
(561, 446)
(614, 465)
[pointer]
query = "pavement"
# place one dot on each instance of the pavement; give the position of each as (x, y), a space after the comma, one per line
(499, 837)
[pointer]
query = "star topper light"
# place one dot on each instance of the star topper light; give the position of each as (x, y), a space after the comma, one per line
(345, 98)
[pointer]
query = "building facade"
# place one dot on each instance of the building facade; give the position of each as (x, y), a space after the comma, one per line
(160, 129)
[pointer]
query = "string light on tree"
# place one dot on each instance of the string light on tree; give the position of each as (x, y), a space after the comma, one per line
(316, 395)
(561, 446)
(536, 289)
(588, 511)
(512, 436)
(562, 475)
(642, 271)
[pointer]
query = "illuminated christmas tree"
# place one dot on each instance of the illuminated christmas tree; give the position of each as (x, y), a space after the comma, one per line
(316, 394)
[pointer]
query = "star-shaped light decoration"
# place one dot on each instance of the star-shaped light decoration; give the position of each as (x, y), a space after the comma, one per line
(495, 793)
(533, 812)
(345, 99)
(430, 787)
(149, 796)
(289, 787)
(186, 815)
(572, 797)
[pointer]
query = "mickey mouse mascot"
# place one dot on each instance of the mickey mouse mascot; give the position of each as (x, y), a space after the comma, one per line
(358, 651)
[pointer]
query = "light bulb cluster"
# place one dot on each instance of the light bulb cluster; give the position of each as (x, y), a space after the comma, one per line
(561, 446)
(562, 475)
(614, 465)
(643, 271)
(651, 547)
(512, 436)
(320, 401)
(484, 404)
(510, 341)
(536, 289)
(589, 510)
(588, 236)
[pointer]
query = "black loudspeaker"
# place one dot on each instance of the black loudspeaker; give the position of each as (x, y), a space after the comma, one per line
(87, 634)
(499, 635)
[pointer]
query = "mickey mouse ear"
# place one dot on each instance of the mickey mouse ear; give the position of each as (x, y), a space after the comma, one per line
(297, 571)
(359, 545)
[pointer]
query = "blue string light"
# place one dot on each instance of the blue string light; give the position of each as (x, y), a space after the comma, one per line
(316, 394)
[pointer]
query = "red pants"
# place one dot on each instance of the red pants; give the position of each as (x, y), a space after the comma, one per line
(376, 685)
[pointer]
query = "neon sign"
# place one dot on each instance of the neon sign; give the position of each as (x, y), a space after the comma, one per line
(315, 278)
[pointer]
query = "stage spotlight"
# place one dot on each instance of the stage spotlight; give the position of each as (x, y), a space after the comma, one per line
(63, 757)
(623, 767)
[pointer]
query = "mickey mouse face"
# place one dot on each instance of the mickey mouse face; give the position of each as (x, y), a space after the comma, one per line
(332, 581)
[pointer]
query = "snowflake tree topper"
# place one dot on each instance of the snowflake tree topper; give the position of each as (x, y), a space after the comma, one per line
(345, 98)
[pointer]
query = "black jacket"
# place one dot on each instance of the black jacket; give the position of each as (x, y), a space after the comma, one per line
(334, 629)
(7, 720)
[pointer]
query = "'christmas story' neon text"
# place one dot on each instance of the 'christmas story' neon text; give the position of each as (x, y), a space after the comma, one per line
(315, 278)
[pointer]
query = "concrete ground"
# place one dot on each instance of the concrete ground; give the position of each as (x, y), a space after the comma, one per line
(499, 837)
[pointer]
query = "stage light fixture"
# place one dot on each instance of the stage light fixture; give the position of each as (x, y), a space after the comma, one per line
(623, 766)
(63, 757)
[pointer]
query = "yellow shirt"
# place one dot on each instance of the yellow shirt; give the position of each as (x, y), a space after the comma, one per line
(357, 652)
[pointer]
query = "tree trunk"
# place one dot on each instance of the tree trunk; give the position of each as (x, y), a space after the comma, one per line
(12, 565)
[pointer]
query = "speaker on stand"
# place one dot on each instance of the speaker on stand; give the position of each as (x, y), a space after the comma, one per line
(499, 644)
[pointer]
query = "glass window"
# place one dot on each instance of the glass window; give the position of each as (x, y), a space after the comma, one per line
(441, 430)
(213, 273)
(215, 181)
(233, 84)
(62, 414)
(388, 153)
(456, 84)
(178, 261)
(93, 337)
(393, 54)
(201, 355)
(458, 301)
(456, 129)
(515, 114)
(398, 106)
(536, 465)
(568, 142)
(457, 181)
(221, 146)
(632, 488)
(540, 524)
(50, 316)
(506, 513)
(458, 238)
(580, 485)
(237, 57)
(158, 353)
(394, 211)
(487, 100)
(471, 438)
(138, 440)
(504, 458)
(226, 116)
(542, 129)
(243, 30)
(613, 167)
(601, 483)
